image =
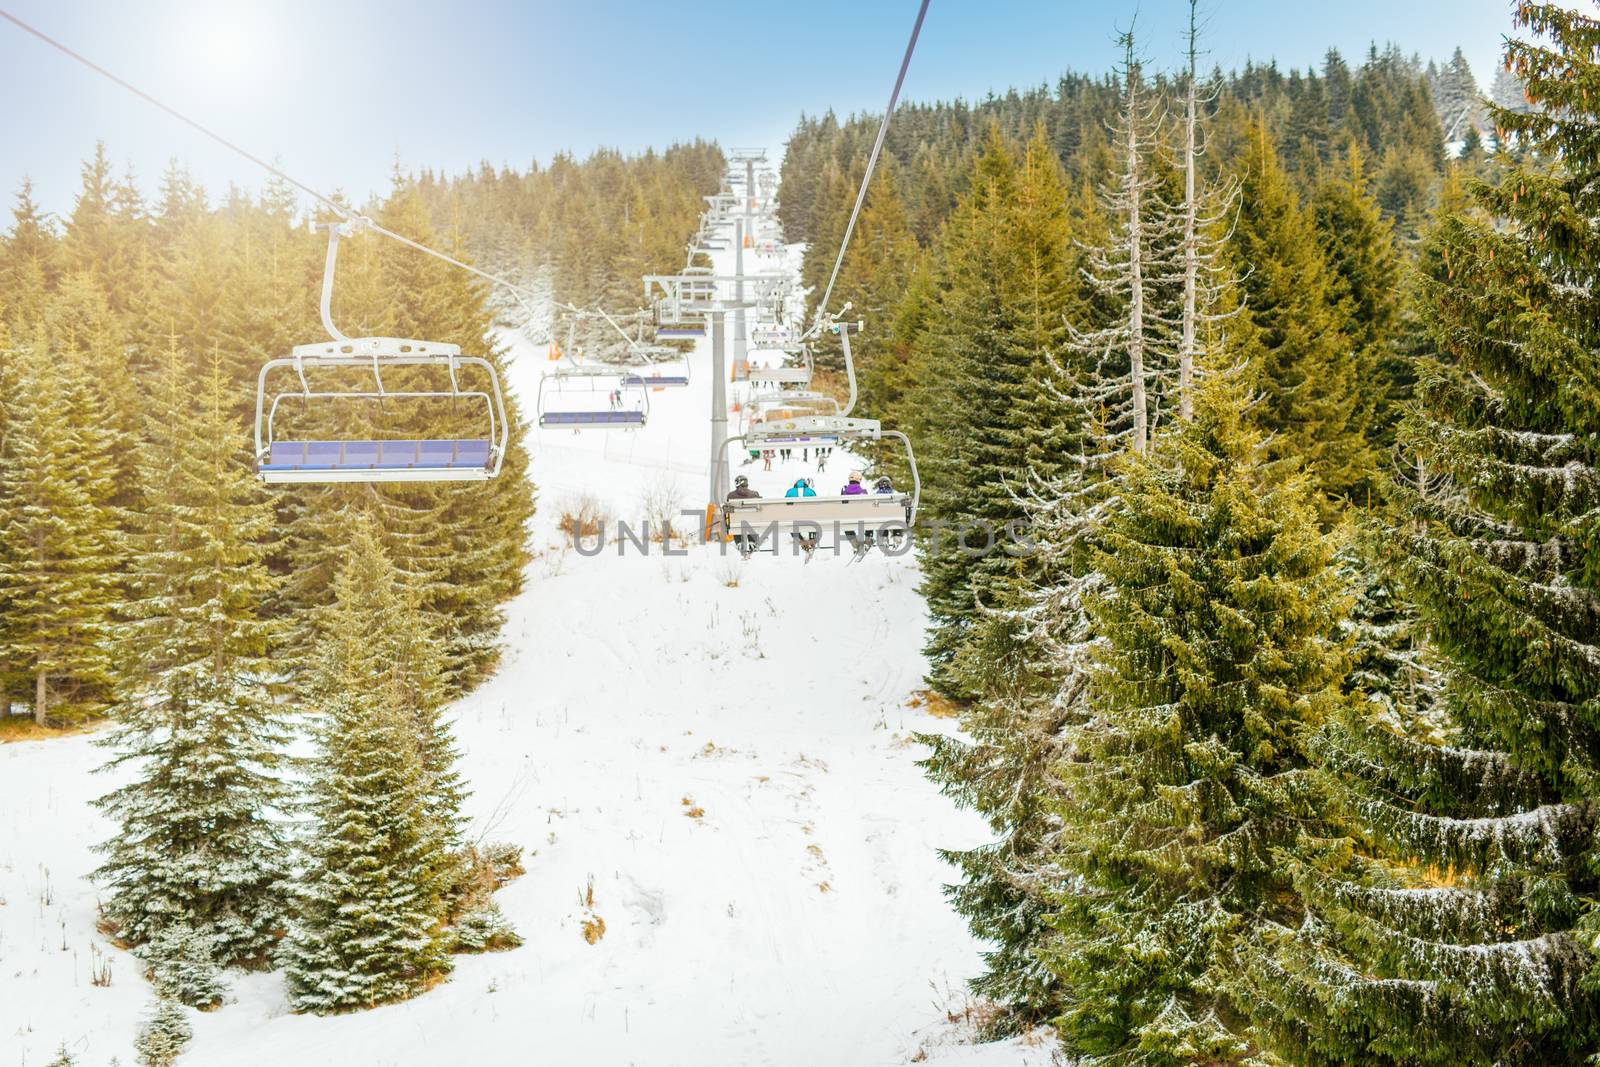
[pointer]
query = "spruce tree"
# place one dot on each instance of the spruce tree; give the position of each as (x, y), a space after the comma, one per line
(984, 418)
(1463, 931)
(1306, 368)
(1357, 244)
(27, 269)
(370, 916)
(1013, 662)
(883, 255)
(197, 845)
(164, 1035)
(61, 541)
(1215, 619)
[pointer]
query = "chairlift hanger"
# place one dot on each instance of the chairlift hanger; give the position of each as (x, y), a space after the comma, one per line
(383, 460)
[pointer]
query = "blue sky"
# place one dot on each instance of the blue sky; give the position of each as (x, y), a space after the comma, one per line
(338, 90)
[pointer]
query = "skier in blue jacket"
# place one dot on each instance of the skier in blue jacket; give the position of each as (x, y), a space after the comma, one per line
(807, 542)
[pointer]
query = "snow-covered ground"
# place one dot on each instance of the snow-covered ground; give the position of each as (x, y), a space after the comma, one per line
(722, 749)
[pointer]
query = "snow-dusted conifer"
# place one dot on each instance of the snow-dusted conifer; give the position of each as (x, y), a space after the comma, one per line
(183, 966)
(1456, 98)
(369, 927)
(1468, 935)
(61, 541)
(164, 1035)
(978, 402)
(1216, 613)
(197, 844)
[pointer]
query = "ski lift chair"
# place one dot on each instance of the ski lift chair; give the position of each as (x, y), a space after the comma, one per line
(771, 335)
(867, 513)
(367, 459)
(589, 415)
(785, 374)
(654, 378)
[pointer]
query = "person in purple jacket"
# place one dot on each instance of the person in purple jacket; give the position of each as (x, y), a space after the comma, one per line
(853, 487)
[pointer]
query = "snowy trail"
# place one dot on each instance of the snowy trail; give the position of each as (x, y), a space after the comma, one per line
(723, 748)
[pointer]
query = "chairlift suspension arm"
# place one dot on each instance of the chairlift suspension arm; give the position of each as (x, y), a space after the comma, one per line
(849, 365)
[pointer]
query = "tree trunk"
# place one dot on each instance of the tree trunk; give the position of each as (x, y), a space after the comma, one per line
(41, 697)
(1141, 429)
(1191, 256)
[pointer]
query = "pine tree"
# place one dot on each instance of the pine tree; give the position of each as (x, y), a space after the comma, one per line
(1357, 244)
(183, 966)
(1463, 931)
(370, 919)
(1306, 369)
(164, 1035)
(979, 408)
(375, 642)
(1456, 98)
(61, 542)
(27, 270)
(197, 845)
(1216, 618)
(463, 547)
(883, 255)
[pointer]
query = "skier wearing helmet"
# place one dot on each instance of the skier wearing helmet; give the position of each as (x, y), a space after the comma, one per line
(744, 542)
(808, 541)
(894, 536)
(853, 486)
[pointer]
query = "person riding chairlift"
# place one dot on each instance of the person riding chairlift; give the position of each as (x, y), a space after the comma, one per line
(853, 486)
(896, 535)
(808, 541)
(744, 542)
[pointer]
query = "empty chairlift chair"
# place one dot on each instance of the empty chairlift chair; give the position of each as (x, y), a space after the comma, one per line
(656, 378)
(409, 459)
(451, 459)
(571, 398)
(773, 335)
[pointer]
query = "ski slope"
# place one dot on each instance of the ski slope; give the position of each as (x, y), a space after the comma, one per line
(722, 749)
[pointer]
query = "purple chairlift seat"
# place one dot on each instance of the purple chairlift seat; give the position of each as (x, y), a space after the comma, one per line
(592, 418)
(376, 455)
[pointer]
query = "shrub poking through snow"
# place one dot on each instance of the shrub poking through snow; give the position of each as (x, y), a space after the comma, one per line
(584, 516)
(590, 923)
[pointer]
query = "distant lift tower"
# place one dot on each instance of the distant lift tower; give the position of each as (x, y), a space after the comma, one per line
(749, 157)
